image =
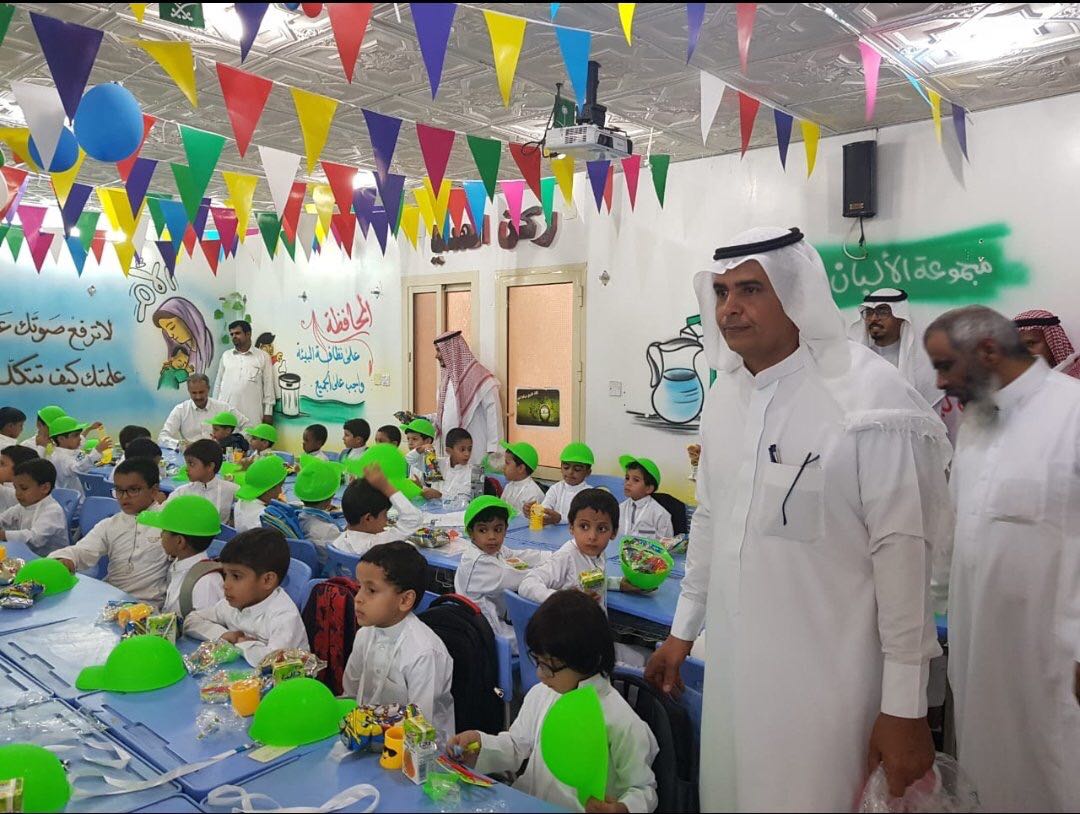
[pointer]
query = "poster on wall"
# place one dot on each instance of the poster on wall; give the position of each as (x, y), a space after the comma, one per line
(537, 408)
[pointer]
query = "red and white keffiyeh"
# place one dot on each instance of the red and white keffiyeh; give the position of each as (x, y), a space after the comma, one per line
(1053, 335)
(472, 381)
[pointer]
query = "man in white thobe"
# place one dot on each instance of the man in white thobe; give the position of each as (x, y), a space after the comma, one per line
(468, 397)
(820, 491)
(187, 420)
(1014, 588)
(245, 379)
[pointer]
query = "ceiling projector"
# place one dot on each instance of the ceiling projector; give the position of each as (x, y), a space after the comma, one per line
(586, 135)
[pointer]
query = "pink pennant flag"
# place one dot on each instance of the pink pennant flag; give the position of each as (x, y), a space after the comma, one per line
(435, 144)
(744, 22)
(39, 248)
(631, 166)
(871, 63)
(31, 217)
(225, 221)
(513, 192)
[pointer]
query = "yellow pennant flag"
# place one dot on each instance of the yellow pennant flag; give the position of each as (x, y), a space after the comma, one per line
(324, 204)
(410, 223)
(176, 59)
(810, 133)
(125, 252)
(138, 9)
(563, 170)
(935, 108)
(241, 187)
(440, 202)
(626, 15)
(507, 35)
(424, 203)
(18, 140)
(63, 181)
(315, 113)
(321, 231)
(117, 208)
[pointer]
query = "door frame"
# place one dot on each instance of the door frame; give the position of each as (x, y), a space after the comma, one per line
(544, 275)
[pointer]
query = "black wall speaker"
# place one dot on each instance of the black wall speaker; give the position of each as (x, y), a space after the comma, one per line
(860, 179)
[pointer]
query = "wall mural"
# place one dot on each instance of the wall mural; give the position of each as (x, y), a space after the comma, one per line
(189, 345)
(677, 373)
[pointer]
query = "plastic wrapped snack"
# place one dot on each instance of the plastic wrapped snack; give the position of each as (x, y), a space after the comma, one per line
(431, 467)
(110, 613)
(645, 563)
(210, 655)
(591, 580)
(944, 788)
(214, 689)
(428, 537)
(21, 596)
(9, 567)
(361, 731)
(282, 665)
(675, 545)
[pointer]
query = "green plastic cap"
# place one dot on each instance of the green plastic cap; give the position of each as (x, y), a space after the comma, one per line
(264, 431)
(647, 464)
(487, 502)
(52, 574)
(45, 783)
(318, 480)
(576, 453)
(222, 420)
(91, 444)
(261, 476)
(392, 463)
(526, 453)
(421, 426)
(185, 514)
(50, 413)
(63, 425)
(138, 664)
(298, 712)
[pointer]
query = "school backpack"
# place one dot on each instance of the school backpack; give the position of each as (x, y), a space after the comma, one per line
(283, 517)
(330, 622)
(187, 587)
(468, 637)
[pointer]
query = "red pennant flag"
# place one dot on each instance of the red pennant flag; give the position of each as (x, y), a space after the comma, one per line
(340, 179)
(225, 221)
(349, 22)
(190, 239)
(290, 216)
(344, 227)
(212, 250)
(748, 108)
(124, 167)
(97, 246)
(39, 248)
(245, 97)
(631, 166)
(608, 186)
(435, 144)
(527, 157)
(458, 201)
(13, 180)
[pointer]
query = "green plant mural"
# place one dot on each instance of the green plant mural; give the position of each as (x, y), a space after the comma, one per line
(966, 266)
(233, 307)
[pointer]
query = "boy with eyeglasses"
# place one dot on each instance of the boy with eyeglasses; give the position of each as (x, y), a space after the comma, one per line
(137, 562)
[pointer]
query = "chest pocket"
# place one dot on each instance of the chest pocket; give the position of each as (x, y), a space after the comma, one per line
(786, 494)
(1019, 499)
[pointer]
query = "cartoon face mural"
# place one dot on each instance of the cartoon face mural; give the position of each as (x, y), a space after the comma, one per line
(183, 328)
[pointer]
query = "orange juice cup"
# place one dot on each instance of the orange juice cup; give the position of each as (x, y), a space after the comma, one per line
(245, 696)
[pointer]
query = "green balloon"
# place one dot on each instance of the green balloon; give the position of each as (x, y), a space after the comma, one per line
(138, 664)
(297, 712)
(52, 574)
(574, 744)
(45, 784)
(393, 465)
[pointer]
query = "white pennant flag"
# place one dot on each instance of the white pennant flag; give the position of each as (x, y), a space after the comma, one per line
(305, 231)
(56, 246)
(139, 238)
(280, 168)
(712, 91)
(44, 113)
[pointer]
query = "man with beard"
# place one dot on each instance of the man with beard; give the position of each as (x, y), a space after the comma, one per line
(189, 420)
(1014, 593)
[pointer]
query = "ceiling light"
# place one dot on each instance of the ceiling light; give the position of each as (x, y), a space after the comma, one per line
(987, 38)
(224, 19)
(362, 179)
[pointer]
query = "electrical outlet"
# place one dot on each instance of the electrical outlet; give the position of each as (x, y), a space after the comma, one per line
(384, 380)
(614, 389)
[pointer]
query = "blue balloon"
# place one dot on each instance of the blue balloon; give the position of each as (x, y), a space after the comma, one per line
(67, 152)
(108, 123)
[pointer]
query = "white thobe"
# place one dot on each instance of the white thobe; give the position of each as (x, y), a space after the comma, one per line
(207, 591)
(406, 663)
(70, 463)
(187, 423)
(245, 381)
(274, 624)
(561, 495)
(42, 526)
(31, 443)
(644, 518)
(483, 578)
(485, 423)
(247, 514)
(561, 571)
(818, 624)
(409, 519)
(137, 562)
(457, 480)
(220, 492)
(7, 496)
(1014, 596)
(7, 441)
(632, 748)
(519, 492)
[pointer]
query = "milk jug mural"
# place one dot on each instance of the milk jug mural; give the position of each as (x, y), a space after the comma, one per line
(677, 375)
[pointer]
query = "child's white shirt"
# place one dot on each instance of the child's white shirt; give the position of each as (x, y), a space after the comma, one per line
(563, 570)
(7, 441)
(644, 518)
(247, 514)
(519, 492)
(137, 562)
(632, 748)
(561, 495)
(404, 664)
(70, 463)
(358, 542)
(349, 454)
(274, 623)
(220, 492)
(207, 592)
(457, 480)
(42, 527)
(7, 496)
(322, 456)
(483, 578)
(31, 443)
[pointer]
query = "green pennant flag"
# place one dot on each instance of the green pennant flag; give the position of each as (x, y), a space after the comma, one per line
(3, 231)
(189, 190)
(189, 14)
(153, 203)
(87, 224)
(658, 165)
(290, 247)
(203, 150)
(269, 226)
(487, 153)
(395, 224)
(15, 241)
(6, 12)
(547, 197)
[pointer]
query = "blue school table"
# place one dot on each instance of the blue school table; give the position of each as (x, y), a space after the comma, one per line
(15, 686)
(84, 601)
(55, 654)
(313, 778)
(177, 804)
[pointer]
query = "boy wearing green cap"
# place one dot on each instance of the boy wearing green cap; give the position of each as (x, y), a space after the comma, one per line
(188, 525)
(576, 462)
(261, 439)
(203, 459)
(520, 461)
(487, 567)
(223, 430)
(137, 563)
(37, 521)
(68, 456)
(640, 515)
(262, 484)
(40, 440)
(316, 486)
(366, 504)
(420, 438)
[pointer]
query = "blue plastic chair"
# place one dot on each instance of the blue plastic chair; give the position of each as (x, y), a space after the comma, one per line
(226, 533)
(425, 601)
(69, 502)
(296, 581)
(95, 485)
(520, 611)
(304, 550)
(215, 548)
(311, 583)
(340, 563)
(287, 457)
(693, 674)
(613, 483)
(96, 509)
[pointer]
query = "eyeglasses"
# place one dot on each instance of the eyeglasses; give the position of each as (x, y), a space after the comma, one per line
(132, 492)
(880, 311)
(543, 668)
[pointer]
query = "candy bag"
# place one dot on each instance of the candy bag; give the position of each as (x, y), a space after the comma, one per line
(943, 789)
(209, 655)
